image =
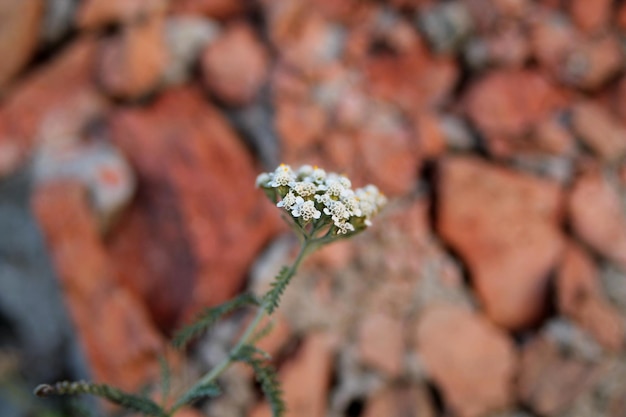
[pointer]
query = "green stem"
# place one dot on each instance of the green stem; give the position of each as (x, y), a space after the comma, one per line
(214, 373)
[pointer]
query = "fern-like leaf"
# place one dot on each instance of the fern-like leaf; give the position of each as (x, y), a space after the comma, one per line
(129, 401)
(165, 378)
(271, 299)
(262, 333)
(210, 316)
(209, 390)
(265, 376)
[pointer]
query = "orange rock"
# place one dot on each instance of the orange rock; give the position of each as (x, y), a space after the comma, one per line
(306, 40)
(388, 152)
(413, 79)
(305, 379)
(591, 16)
(20, 23)
(381, 343)
(120, 341)
(506, 104)
(195, 172)
(300, 125)
(54, 103)
(580, 297)
(592, 63)
(599, 130)
(548, 381)
(431, 134)
(468, 358)
(498, 220)
(235, 65)
(597, 217)
(135, 62)
(411, 400)
(551, 38)
(96, 13)
(553, 138)
(219, 9)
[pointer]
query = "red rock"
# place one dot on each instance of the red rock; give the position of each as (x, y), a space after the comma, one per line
(400, 401)
(306, 40)
(621, 17)
(235, 65)
(592, 63)
(388, 152)
(468, 358)
(552, 37)
(300, 125)
(548, 381)
(509, 47)
(96, 13)
(430, 131)
(193, 171)
(20, 23)
(599, 130)
(591, 16)
(505, 226)
(597, 217)
(54, 103)
(120, 341)
(95, 164)
(506, 104)
(305, 379)
(381, 343)
(580, 297)
(134, 62)
(552, 137)
(218, 9)
(412, 78)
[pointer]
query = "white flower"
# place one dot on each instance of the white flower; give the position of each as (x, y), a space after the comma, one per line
(305, 171)
(305, 188)
(349, 199)
(263, 179)
(311, 193)
(337, 211)
(306, 210)
(344, 227)
(370, 201)
(318, 175)
(334, 188)
(288, 200)
(283, 176)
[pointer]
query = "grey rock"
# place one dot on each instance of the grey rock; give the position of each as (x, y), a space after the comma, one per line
(186, 37)
(58, 19)
(33, 320)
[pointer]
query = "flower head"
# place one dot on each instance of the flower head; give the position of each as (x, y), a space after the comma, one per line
(322, 203)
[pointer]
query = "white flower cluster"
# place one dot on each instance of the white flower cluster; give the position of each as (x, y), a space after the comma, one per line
(310, 194)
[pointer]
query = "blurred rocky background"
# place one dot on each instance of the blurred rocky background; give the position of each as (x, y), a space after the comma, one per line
(494, 285)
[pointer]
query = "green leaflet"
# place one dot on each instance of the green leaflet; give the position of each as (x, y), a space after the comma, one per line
(265, 376)
(272, 298)
(210, 316)
(129, 401)
(209, 390)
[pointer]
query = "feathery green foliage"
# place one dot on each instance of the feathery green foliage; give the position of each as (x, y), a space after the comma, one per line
(129, 401)
(262, 333)
(165, 379)
(210, 316)
(209, 390)
(265, 376)
(271, 299)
